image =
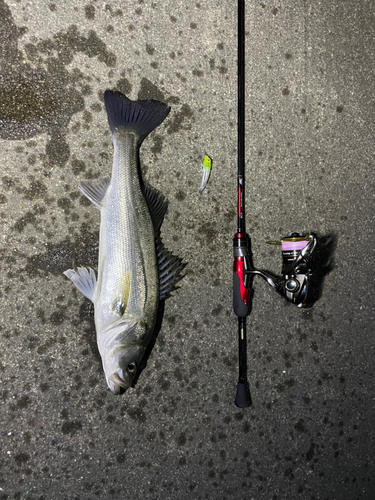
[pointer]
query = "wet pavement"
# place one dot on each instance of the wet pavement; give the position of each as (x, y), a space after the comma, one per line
(309, 165)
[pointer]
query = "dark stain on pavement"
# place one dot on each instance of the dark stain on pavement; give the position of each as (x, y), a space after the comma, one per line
(67, 254)
(38, 92)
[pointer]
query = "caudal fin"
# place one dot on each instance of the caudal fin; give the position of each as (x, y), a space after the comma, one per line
(142, 116)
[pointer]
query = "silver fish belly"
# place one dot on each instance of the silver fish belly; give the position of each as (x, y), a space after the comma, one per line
(135, 272)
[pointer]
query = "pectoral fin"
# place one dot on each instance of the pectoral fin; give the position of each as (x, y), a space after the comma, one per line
(84, 279)
(122, 295)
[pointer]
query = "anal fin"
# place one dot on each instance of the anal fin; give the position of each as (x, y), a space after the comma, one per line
(95, 190)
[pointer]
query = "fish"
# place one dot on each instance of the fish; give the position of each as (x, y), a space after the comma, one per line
(135, 271)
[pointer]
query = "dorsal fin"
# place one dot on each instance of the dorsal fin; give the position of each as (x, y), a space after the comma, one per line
(157, 205)
(170, 268)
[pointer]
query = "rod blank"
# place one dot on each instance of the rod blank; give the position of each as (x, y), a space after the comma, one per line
(243, 398)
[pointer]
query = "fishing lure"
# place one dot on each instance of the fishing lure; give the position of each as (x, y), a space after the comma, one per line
(206, 171)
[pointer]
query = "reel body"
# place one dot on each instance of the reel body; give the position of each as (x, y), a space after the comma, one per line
(298, 267)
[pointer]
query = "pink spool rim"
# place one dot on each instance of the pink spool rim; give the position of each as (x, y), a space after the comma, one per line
(293, 245)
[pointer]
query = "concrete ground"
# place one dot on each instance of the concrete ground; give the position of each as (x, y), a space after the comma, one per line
(310, 160)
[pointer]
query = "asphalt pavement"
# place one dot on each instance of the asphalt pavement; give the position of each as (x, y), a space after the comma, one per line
(177, 434)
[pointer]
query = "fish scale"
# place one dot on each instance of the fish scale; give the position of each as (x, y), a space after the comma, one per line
(127, 239)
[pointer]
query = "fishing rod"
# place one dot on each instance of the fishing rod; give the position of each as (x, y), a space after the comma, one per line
(297, 247)
(242, 291)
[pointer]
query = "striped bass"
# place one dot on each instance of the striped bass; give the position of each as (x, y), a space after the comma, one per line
(135, 271)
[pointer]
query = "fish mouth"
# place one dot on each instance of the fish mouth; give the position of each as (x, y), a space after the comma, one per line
(117, 384)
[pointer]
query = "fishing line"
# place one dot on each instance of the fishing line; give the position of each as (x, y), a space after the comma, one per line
(297, 128)
(296, 136)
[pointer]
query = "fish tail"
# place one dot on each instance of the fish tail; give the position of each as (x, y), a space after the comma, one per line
(142, 116)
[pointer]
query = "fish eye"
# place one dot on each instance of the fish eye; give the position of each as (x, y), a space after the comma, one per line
(131, 367)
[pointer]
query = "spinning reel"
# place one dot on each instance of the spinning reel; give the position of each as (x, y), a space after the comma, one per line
(297, 270)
